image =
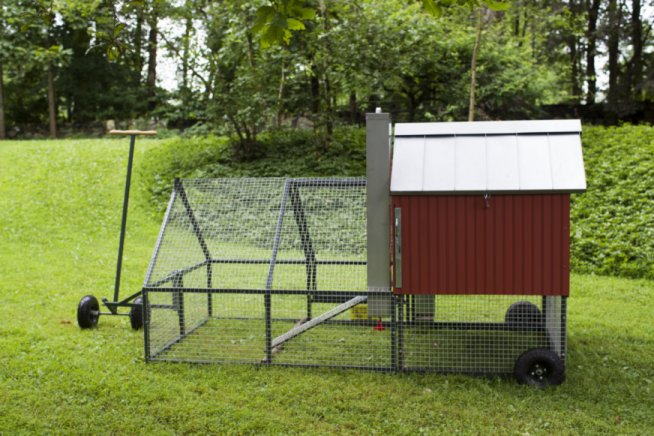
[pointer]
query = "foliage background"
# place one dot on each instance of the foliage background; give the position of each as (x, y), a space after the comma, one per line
(77, 64)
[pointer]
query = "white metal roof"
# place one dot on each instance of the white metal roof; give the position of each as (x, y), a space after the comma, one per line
(490, 156)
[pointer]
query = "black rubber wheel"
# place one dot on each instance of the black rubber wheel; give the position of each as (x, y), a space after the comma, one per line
(136, 314)
(523, 315)
(539, 367)
(88, 312)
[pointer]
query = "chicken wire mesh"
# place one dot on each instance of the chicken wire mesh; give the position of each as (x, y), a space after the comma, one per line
(274, 271)
(478, 333)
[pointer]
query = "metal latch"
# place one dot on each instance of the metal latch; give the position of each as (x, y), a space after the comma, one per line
(398, 247)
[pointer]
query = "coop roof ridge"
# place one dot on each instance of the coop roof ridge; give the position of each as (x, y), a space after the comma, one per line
(487, 127)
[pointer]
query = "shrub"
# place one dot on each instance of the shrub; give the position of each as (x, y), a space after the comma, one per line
(281, 153)
(178, 157)
(612, 231)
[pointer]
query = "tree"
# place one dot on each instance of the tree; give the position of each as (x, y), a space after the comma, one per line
(636, 64)
(591, 50)
(276, 21)
(7, 16)
(613, 51)
(3, 129)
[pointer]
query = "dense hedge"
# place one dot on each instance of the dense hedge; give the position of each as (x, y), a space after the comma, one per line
(284, 153)
(612, 228)
(612, 231)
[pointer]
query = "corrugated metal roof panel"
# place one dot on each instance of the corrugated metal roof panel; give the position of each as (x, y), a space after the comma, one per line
(470, 165)
(492, 162)
(503, 171)
(408, 165)
(566, 159)
(534, 163)
(439, 158)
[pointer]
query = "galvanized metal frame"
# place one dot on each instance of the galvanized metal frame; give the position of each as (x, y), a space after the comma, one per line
(402, 320)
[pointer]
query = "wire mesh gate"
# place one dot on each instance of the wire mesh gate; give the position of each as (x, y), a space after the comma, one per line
(273, 271)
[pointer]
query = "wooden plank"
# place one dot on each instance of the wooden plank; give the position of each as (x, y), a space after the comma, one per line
(299, 329)
(133, 132)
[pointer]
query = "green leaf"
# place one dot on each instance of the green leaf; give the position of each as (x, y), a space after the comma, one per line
(497, 5)
(119, 28)
(431, 7)
(113, 54)
(297, 11)
(294, 24)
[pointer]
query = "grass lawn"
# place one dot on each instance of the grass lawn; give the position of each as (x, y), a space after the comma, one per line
(59, 218)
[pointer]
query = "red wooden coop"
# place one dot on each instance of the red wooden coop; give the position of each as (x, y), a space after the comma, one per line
(484, 208)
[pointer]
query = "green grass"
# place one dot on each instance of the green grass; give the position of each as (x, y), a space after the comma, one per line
(59, 217)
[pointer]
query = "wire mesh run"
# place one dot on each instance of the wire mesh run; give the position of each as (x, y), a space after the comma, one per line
(482, 334)
(273, 271)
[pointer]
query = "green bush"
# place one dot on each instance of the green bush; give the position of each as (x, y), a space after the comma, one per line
(178, 157)
(281, 153)
(612, 230)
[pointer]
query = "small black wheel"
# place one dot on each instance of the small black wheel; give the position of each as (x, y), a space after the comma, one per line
(136, 314)
(523, 315)
(88, 312)
(539, 367)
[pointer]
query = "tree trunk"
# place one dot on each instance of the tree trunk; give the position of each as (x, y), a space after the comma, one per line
(314, 87)
(613, 52)
(186, 53)
(280, 99)
(3, 130)
(138, 44)
(52, 105)
(329, 111)
(591, 51)
(573, 47)
(636, 76)
(353, 107)
(473, 69)
(151, 84)
(574, 68)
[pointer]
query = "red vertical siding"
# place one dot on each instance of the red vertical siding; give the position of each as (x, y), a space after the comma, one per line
(464, 244)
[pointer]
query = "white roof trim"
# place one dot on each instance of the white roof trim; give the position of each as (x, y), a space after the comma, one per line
(487, 128)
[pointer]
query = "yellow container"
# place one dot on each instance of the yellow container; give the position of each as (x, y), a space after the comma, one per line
(360, 312)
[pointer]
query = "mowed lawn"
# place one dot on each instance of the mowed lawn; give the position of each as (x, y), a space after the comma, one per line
(60, 204)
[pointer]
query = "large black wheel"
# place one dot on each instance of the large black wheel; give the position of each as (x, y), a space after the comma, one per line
(88, 312)
(523, 315)
(539, 367)
(136, 314)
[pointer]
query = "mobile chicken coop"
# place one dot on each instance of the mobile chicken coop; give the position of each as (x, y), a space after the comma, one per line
(453, 256)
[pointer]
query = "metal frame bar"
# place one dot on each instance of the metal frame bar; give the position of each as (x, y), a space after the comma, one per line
(305, 240)
(178, 302)
(262, 291)
(271, 270)
(400, 333)
(160, 237)
(194, 223)
(146, 329)
(321, 182)
(564, 322)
